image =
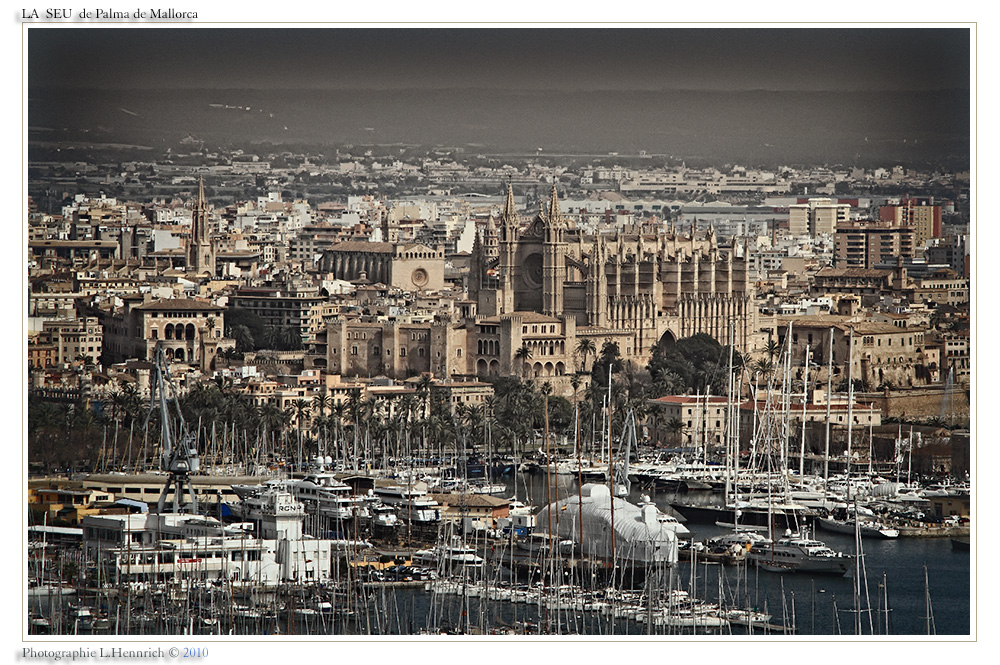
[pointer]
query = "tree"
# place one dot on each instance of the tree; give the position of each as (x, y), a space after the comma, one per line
(244, 338)
(289, 338)
(585, 347)
(237, 316)
(693, 364)
(607, 364)
(676, 428)
(322, 403)
(772, 348)
(523, 354)
(301, 408)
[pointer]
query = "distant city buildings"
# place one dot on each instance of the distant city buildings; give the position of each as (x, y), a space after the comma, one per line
(466, 269)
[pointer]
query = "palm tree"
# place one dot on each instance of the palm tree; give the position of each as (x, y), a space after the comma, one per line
(524, 355)
(586, 347)
(574, 382)
(244, 338)
(676, 427)
(321, 403)
(423, 390)
(300, 407)
(289, 338)
(763, 366)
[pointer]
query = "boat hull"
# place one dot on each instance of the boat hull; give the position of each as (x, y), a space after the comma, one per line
(713, 514)
(866, 530)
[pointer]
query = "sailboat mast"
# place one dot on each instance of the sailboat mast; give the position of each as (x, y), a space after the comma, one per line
(829, 394)
(805, 398)
(850, 405)
(730, 454)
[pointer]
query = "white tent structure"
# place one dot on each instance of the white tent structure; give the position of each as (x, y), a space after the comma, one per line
(639, 537)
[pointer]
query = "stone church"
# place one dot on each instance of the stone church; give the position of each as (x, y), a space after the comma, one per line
(637, 290)
(546, 285)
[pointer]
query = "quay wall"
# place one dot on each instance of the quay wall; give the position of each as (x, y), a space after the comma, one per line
(922, 403)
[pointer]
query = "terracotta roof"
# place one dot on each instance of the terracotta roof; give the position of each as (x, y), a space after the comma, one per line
(688, 399)
(366, 247)
(852, 272)
(174, 304)
(535, 317)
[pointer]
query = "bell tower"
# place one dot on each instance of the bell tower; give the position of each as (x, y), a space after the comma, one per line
(553, 257)
(201, 252)
(509, 222)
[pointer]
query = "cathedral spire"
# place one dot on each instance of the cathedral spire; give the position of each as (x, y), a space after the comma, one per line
(554, 212)
(509, 213)
(201, 193)
(508, 218)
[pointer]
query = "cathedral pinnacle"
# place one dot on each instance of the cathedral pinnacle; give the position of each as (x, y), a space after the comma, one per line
(509, 214)
(554, 212)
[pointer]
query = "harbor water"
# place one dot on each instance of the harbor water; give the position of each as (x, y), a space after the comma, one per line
(899, 602)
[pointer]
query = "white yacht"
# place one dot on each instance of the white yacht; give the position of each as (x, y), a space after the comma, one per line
(335, 500)
(799, 553)
(454, 554)
(411, 504)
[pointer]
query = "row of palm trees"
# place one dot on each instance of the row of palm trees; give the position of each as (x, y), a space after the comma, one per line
(510, 421)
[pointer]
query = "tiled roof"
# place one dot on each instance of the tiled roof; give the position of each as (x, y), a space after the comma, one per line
(365, 247)
(174, 304)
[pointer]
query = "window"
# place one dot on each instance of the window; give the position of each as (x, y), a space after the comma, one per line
(354, 350)
(402, 352)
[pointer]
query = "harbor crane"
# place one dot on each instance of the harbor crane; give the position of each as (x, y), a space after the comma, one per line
(179, 446)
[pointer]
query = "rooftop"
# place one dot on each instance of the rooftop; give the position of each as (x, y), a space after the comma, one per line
(174, 304)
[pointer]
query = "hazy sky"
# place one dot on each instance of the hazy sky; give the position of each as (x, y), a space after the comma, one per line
(504, 58)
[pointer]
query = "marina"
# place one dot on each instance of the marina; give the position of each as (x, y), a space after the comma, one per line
(491, 584)
(319, 551)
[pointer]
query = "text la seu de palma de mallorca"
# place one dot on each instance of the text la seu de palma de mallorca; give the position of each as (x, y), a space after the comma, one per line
(107, 14)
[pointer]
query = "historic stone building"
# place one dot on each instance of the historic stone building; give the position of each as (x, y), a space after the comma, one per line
(188, 331)
(412, 267)
(200, 250)
(634, 289)
(546, 285)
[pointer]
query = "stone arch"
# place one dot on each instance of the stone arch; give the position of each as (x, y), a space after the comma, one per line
(494, 367)
(537, 369)
(189, 332)
(560, 369)
(549, 369)
(168, 331)
(667, 340)
(481, 367)
(179, 353)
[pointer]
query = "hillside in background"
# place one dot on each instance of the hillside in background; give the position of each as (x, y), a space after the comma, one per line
(767, 128)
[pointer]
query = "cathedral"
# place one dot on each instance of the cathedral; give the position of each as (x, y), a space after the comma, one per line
(637, 290)
(544, 286)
